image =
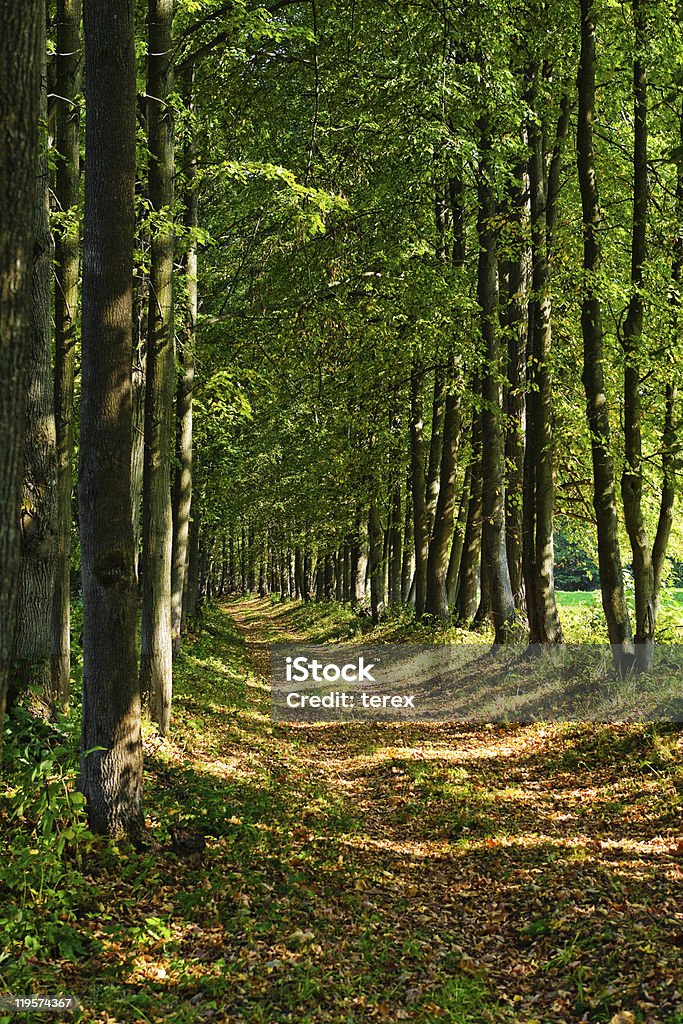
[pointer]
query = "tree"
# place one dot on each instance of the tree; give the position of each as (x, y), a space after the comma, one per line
(111, 764)
(604, 496)
(20, 65)
(31, 646)
(69, 61)
(156, 671)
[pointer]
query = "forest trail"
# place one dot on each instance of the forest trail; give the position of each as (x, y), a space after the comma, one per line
(537, 865)
(364, 873)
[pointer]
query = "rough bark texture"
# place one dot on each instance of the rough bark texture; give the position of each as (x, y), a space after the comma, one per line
(69, 61)
(632, 476)
(435, 442)
(156, 672)
(396, 542)
(20, 63)
(111, 778)
(183, 478)
(39, 523)
(604, 499)
(494, 554)
(420, 521)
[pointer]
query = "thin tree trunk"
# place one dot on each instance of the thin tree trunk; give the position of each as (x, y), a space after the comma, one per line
(470, 563)
(609, 553)
(111, 762)
(182, 497)
(632, 476)
(408, 546)
(458, 543)
(493, 451)
(39, 512)
(435, 443)
(69, 61)
(420, 520)
(376, 565)
(544, 619)
(442, 532)
(21, 29)
(156, 671)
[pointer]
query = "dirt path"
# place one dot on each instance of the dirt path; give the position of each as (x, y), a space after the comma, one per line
(538, 865)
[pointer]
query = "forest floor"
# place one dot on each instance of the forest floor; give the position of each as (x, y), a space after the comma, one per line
(365, 873)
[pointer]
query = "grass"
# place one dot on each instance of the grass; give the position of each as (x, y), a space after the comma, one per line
(351, 874)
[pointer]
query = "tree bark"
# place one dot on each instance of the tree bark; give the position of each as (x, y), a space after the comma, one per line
(544, 619)
(182, 502)
(69, 60)
(420, 520)
(39, 514)
(632, 476)
(156, 671)
(111, 763)
(375, 537)
(21, 28)
(442, 532)
(604, 500)
(470, 563)
(493, 451)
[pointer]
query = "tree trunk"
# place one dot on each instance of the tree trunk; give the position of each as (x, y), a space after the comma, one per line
(39, 514)
(514, 318)
(544, 619)
(408, 546)
(609, 554)
(111, 778)
(156, 671)
(632, 476)
(182, 497)
(191, 587)
(396, 545)
(21, 32)
(435, 443)
(457, 545)
(69, 60)
(420, 520)
(470, 563)
(442, 532)
(375, 537)
(493, 451)
(668, 496)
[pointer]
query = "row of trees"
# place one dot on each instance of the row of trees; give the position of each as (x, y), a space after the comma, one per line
(514, 192)
(415, 225)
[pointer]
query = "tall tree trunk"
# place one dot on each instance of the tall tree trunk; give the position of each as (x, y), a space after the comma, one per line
(111, 763)
(21, 32)
(156, 672)
(69, 60)
(604, 500)
(420, 520)
(632, 476)
(668, 495)
(182, 497)
(544, 619)
(408, 546)
(375, 537)
(514, 318)
(493, 451)
(39, 515)
(470, 562)
(442, 532)
(435, 443)
(396, 544)
(457, 546)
